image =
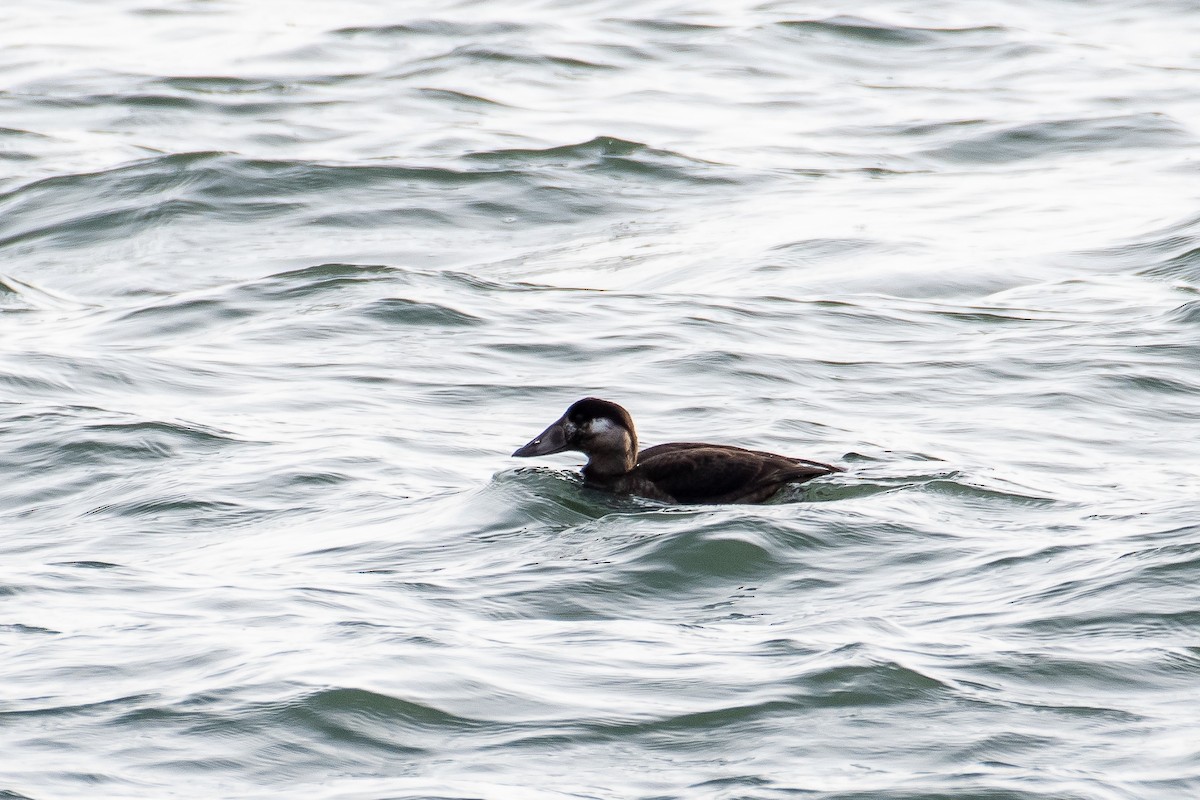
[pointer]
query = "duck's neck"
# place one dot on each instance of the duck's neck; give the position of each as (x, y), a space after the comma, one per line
(611, 462)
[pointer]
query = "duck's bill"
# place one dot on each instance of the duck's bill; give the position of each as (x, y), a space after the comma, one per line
(551, 440)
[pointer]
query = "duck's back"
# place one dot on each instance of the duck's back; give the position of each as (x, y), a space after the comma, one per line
(694, 472)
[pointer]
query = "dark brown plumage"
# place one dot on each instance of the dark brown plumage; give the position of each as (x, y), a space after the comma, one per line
(680, 472)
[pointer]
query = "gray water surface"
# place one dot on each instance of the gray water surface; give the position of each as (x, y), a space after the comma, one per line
(282, 286)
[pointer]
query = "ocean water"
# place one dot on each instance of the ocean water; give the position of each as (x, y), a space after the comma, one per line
(283, 285)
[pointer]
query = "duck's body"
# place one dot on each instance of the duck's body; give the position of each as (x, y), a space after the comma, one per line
(680, 472)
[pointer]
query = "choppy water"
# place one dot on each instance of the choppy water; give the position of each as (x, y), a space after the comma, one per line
(282, 287)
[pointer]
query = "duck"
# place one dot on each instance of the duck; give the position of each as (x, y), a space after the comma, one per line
(684, 473)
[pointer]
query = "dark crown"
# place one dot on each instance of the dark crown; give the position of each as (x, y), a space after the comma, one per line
(595, 408)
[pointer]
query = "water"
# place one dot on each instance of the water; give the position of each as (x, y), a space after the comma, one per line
(281, 287)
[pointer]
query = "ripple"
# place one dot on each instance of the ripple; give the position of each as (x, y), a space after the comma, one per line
(717, 551)
(112, 441)
(316, 280)
(869, 31)
(67, 211)
(362, 717)
(442, 28)
(1062, 137)
(401, 311)
(607, 155)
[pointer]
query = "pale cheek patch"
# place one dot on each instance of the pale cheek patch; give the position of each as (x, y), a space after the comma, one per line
(606, 431)
(601, 427)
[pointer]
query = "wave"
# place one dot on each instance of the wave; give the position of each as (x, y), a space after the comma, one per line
(555, 185)
(1051, 139)
(874, 32)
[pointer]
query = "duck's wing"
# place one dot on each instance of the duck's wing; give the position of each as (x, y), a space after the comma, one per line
(693, 472)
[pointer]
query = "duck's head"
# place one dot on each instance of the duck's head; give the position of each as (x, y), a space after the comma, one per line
(598, 428)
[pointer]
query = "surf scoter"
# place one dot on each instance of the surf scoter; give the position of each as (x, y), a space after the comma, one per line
(680, 472)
